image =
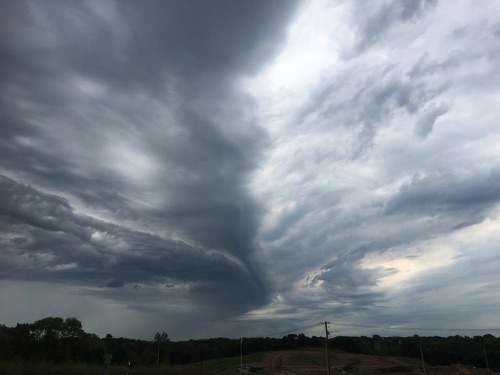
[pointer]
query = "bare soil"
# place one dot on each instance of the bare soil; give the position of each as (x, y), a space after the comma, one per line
(313, 362)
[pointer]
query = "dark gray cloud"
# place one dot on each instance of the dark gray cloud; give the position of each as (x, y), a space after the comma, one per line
(129, 45)
(348, 283)
(121, 128)
(58, 244)
(128, 50)
(470, 198)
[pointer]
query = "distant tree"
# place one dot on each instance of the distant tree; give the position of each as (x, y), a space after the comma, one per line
(302, 340)
(72, 327)
(23, 341)
(160, 339)
(6, 337)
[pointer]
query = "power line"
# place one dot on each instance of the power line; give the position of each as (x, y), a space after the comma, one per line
(403, 328)
(318, 326)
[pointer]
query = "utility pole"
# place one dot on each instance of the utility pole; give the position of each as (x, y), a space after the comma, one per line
(326, 350)
(486, 357)
(422, 355)
(241, 355)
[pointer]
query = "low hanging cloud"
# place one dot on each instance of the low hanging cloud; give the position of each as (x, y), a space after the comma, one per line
(50, 242)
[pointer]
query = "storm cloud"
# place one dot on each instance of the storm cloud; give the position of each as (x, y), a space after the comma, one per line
(248, 165)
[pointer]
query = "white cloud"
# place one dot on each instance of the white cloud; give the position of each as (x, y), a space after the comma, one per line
(320, 202)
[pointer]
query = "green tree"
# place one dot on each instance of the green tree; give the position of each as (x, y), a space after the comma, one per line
(24, 342)
(6, 337)
(72, 327)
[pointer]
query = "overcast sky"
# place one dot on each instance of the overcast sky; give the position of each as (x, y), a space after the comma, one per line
(246, 168)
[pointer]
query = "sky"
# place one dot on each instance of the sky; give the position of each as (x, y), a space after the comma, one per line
(251, 168)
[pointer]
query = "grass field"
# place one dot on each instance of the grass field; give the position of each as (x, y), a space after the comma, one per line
(14, 368)
(224, 366)
(298, 362)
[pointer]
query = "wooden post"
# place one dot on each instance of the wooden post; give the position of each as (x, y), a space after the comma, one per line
(327, 350)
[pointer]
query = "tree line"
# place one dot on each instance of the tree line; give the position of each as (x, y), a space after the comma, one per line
(58, 340)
